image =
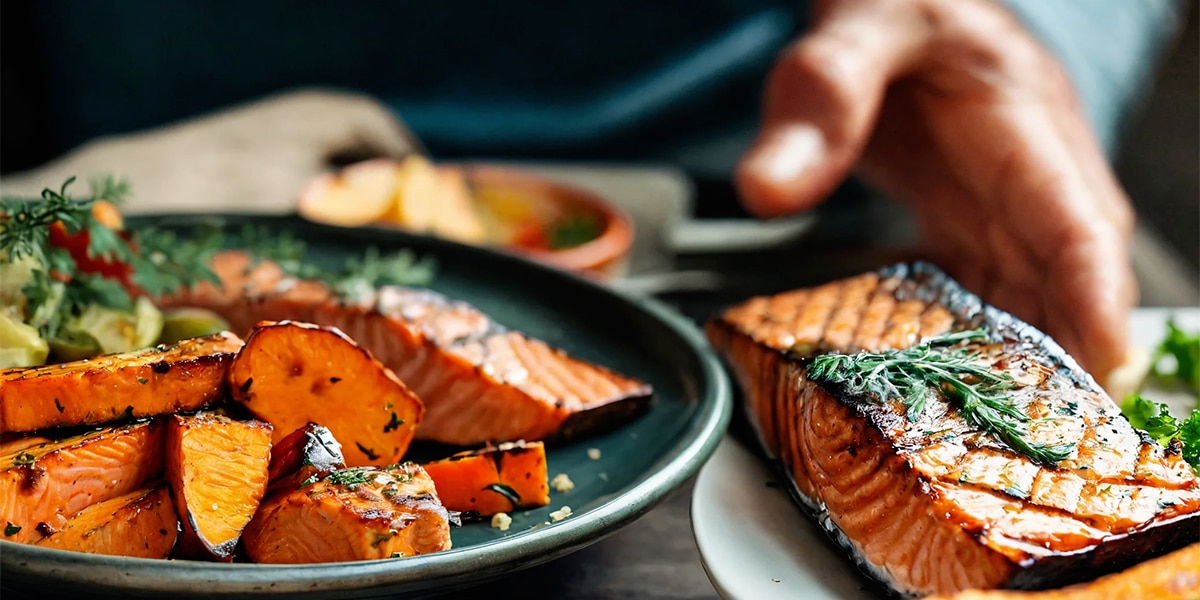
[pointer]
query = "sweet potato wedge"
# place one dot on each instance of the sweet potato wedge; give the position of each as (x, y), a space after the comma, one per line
(217, 471)
(358, 513)
(303, 457)
(493, 480)
(290, 373)
(167, 379)
(141, 524)
(43, 486)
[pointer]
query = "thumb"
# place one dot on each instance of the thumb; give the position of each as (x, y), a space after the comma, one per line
(821, 100)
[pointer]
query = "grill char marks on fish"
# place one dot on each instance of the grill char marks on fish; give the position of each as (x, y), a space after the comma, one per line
(935, 505)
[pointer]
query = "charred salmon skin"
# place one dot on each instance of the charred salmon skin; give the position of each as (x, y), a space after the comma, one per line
(927, 491)
(43, 486)
(479, 381)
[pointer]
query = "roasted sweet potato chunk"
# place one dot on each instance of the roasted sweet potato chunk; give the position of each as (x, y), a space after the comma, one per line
(43, 486)
(493, 480)
(354, 514)
(167, 379)
(303, 457)
(141, 524)
(217, 470)
(290, 373)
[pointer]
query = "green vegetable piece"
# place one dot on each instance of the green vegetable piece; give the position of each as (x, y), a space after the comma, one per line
(20, 344)
(70, 345)
(186, 323)
(122, 331)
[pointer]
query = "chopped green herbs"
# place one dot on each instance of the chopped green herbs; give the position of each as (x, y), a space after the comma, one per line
(350, 477)
(23, 459)
(945, 364)
(10, 529)
(394, 424)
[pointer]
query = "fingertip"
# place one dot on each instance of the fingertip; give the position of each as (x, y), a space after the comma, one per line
(781, 173)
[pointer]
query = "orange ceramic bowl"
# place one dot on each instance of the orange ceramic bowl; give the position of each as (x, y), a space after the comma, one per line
(499, 206)
(527, 212)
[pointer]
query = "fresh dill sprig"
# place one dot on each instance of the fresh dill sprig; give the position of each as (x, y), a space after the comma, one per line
(942, 363)
(356, 277)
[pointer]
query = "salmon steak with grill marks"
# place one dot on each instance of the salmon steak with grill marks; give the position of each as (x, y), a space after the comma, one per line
(479, 381)
(1037, 483)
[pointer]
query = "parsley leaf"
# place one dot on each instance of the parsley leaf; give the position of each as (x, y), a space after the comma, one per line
(1184, 348)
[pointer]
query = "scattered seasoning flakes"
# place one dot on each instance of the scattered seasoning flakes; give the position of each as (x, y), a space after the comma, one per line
(143, 380)
(395, 423)
(593, 453)
(10, 529)
(24, 459)
(501, 521)
(560, 514)
(371, 455)
(562, 483)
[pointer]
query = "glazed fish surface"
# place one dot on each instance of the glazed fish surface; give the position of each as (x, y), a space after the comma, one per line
(479, 381)
(1006, 467)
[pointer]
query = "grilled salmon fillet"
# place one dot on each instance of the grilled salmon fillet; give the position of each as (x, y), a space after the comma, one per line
(358, 513)
(166, 379)
(936, 504)
(479, 381)
(43, 486)
(141, 524)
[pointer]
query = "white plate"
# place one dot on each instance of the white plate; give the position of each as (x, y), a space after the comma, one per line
(756, 544)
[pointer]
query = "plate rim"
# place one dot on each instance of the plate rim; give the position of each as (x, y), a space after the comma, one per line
(457, 567)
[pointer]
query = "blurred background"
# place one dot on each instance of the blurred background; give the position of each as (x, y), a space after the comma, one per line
(1158, 159)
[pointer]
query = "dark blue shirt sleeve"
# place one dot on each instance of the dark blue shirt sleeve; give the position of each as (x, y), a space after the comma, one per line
(1109, 48)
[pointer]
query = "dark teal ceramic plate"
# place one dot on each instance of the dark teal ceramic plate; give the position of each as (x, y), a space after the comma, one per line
(639, 464)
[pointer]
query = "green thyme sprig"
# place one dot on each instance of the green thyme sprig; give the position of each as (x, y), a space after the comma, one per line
(946, 365)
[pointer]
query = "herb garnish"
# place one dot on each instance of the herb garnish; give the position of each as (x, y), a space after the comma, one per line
(357, 277)
(78, 259)
(1155, 419)
(1185, 349)
(23, 459)
(10, 529)
(349, 477)
(940, 363)
(394, 424)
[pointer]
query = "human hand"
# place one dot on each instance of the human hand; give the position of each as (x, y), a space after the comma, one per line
(254, 157)
(953, 108)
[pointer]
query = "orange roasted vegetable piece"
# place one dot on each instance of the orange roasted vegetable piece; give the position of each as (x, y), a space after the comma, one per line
(163, 380)
(142, 524)
(217, 470)
(358, 513)
(303, 457)
(290, 373)
(494, 479)
(43, 486)
(1174, 576)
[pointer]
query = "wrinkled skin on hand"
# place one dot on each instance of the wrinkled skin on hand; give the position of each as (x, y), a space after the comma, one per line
(953, 108)
(253, 157)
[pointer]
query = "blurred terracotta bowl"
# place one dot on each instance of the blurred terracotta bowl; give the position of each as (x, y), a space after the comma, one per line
(490, 205)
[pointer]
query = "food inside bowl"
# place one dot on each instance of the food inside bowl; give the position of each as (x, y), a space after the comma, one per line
(466, 204)
(477, 204)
